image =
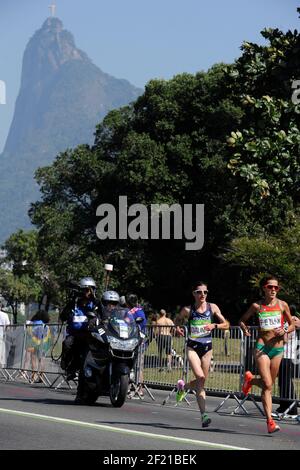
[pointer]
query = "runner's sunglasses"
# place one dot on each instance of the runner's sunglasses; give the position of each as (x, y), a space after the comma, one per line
(270, 287)
(201, 292)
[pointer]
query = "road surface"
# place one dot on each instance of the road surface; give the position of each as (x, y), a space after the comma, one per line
(35, 417)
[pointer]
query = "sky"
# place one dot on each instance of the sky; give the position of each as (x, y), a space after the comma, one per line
(139, 39)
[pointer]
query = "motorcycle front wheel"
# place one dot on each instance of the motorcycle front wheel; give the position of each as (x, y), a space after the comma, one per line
(118, 390)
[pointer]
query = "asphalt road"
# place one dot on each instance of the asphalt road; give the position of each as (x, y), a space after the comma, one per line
(34, 417)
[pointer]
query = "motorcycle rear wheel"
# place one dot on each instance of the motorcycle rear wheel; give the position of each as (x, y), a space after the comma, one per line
(118, 391)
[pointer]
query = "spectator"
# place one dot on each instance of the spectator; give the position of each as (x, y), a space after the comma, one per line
(163, 333)
(152, 320)
(182, 318)
(177, 359)
(123, 303)
(4, 322)
(136, 311)
(37, 343)
(287, 368)
(226, 342)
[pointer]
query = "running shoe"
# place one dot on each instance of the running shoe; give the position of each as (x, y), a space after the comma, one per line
(247, 385)
(181, 393)
(272, 426)
(205, 420)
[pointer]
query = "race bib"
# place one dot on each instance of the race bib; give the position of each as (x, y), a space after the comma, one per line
(269, 320)
(197, 328)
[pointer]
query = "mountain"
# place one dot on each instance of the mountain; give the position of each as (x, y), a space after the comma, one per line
(62, 97)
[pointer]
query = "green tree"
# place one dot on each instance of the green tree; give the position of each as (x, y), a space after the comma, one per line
(275, 254)
(24, 271)
(18, 289)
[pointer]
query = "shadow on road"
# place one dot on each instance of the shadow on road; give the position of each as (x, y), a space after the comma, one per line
(181, 428)
(56, 401)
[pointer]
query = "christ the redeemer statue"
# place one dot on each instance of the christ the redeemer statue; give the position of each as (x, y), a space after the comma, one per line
(52, 9)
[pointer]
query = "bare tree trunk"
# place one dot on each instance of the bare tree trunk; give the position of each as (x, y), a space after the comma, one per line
(14, 306)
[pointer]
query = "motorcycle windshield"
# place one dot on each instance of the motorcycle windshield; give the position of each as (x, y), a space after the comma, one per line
(123, 326)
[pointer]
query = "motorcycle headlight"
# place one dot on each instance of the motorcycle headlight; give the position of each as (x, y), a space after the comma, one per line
(126, 345)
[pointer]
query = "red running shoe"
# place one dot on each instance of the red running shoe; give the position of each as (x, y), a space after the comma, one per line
(272, 426)
(247, 382)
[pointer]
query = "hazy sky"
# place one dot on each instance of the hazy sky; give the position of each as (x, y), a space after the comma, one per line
(138, 39)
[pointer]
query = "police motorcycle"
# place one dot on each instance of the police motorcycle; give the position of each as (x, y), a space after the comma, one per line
(113, 349)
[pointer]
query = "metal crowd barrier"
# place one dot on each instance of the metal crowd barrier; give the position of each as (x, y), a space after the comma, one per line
(31, 354)
(286, 389)
(162, 360)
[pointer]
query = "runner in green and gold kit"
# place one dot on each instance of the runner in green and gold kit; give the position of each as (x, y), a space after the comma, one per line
(271, 314)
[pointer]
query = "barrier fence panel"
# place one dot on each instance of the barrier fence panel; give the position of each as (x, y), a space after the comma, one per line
(286, 388)
(227, 361)
(13, 350)
(5, 341)
(3, 346)
(164, 357)
(53, 356)
(227, 365)
(38, 346)
(138, 386)
(247, 347)
(29, 351)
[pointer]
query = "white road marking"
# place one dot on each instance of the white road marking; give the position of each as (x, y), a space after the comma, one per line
(102, 427)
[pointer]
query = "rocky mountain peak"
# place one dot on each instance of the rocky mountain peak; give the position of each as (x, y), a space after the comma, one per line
(63, 96)
(49, 48)
(52, 25)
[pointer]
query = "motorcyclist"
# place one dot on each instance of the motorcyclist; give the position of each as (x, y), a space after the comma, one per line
(131, 310)
(113, 348)
(110, 300)
(77, 313)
